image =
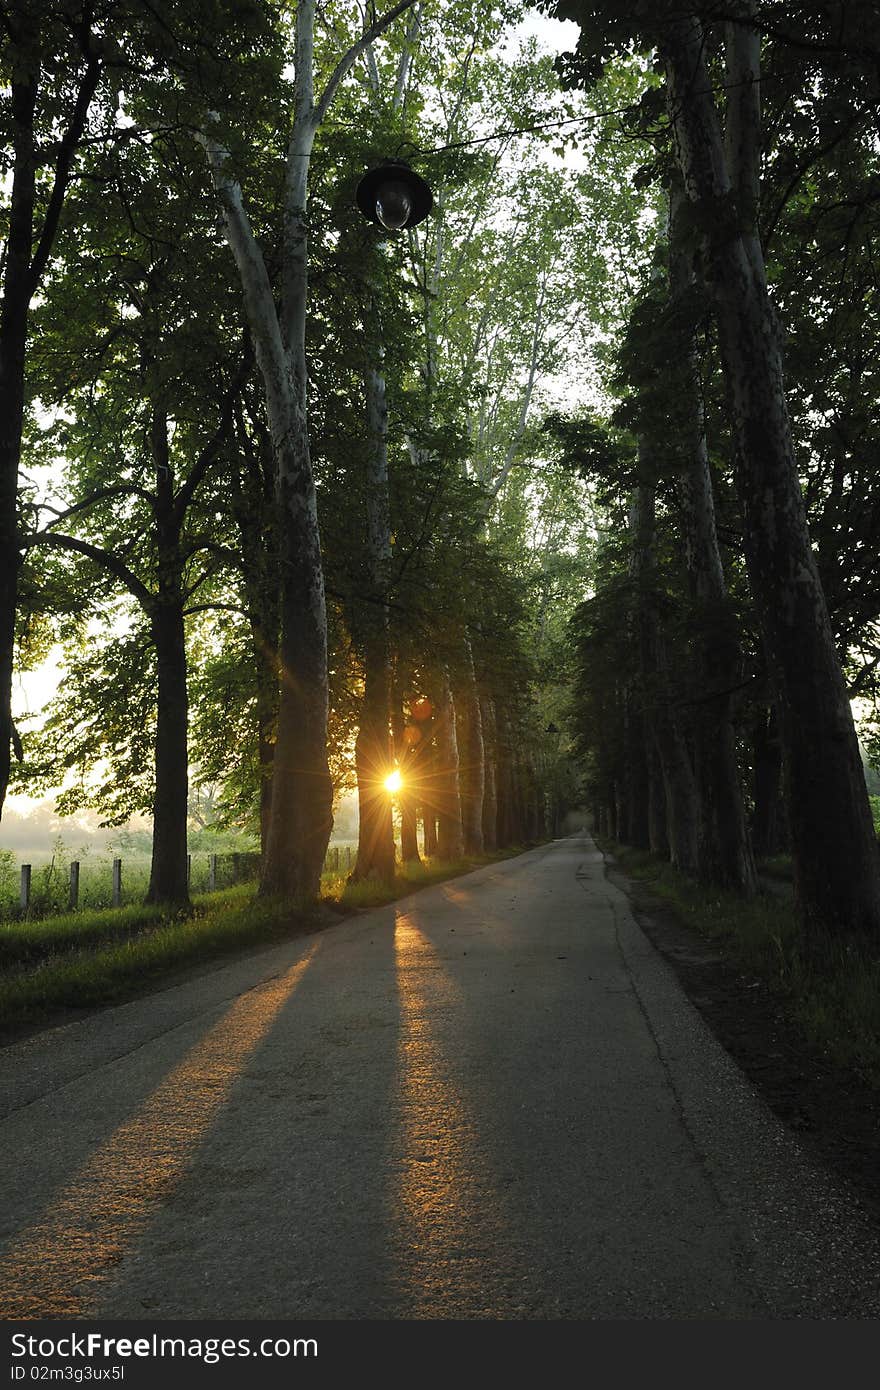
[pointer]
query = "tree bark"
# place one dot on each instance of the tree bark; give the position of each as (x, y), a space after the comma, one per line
(768, 820)
(13, 339)
(301, 817)
(637, 794)
(470, 743)
(490, 762)
(253, 507)
(724, 852)
(682, 806)
(168, 870)
(450, 841)
(658, 840)
(373, 761)
(408, 757)
(429, 829)
(505, 781)
(26, 255)
(834, 850)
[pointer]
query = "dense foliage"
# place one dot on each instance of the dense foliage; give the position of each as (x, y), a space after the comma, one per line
(510, 501)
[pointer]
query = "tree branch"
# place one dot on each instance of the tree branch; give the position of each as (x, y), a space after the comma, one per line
(104, 558)
(259, 301)
(66, 150)
(119, 490)
(210, 451)
(344, 65)
(217, 607)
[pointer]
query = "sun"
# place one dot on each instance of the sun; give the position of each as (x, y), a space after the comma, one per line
(394, 781)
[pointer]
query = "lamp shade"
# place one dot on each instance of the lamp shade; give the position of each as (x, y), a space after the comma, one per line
(394, 196)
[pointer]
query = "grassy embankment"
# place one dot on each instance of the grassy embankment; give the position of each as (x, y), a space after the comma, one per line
(85, 959)
(837, 1008)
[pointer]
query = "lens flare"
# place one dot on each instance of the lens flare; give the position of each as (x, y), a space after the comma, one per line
(394, 781)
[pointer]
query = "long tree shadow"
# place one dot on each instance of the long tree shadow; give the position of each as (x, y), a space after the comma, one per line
(56, 1266)
(280, 1211)
(560, 1180)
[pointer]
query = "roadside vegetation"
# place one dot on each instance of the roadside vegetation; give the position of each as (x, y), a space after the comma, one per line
(837, 1005)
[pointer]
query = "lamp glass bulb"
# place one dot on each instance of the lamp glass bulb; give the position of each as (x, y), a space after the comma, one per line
(393, 205)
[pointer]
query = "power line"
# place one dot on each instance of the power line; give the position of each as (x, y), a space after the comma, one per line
(581, 120)
(531, 129)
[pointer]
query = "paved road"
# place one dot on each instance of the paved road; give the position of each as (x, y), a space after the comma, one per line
(489, 1100)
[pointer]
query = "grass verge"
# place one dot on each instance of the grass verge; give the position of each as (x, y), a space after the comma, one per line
(82, 961)
(837, 1007)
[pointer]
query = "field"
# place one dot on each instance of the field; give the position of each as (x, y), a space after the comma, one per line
(50, 878)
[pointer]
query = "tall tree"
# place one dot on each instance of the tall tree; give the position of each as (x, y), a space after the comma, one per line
(53, 57)
(300, 817)
(837, 873)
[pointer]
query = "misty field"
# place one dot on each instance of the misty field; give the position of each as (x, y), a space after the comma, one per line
(50, 884)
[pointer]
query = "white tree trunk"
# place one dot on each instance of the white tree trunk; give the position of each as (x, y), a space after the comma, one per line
(300, 818)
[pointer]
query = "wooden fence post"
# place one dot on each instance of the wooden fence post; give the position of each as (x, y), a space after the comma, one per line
(117, 882)
(25, 897)
(212, 873)
(348, 856)
(74, 885)
(336, 857)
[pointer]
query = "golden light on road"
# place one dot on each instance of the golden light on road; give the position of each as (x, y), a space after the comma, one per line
(448, 1218)
(56, 1267)
(394, 781)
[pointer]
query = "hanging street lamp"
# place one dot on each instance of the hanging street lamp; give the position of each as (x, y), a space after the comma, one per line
(394, 196)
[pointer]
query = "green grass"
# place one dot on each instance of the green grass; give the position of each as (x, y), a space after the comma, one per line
(837, 1006)
(777, 866)
(27, 942)
(82, 960)
(50, 878)
(81, 978)
(408, 879)
(50, 881)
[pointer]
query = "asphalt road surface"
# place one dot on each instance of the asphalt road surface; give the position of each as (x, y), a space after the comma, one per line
(488, 1100)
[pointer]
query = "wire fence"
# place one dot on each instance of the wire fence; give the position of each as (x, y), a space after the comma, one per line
(63, 885)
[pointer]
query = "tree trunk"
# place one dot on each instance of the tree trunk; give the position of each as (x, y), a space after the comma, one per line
(518, 827)
(682, 807)
(301, 816)
(13, 338)
(637, 795)
(658, 840)
(429, 831)
(834, 850)
(168, 871)
(168, 875)
(470, 744)
(490, 790)
(253, 507)
(373, 761)
(508, 804)
(536, 818)
(724, 852)
(768, 821)
(25, 255)
(450, 841)
(408, 760)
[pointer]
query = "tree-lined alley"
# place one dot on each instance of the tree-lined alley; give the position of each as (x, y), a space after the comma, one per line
(563, 495)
